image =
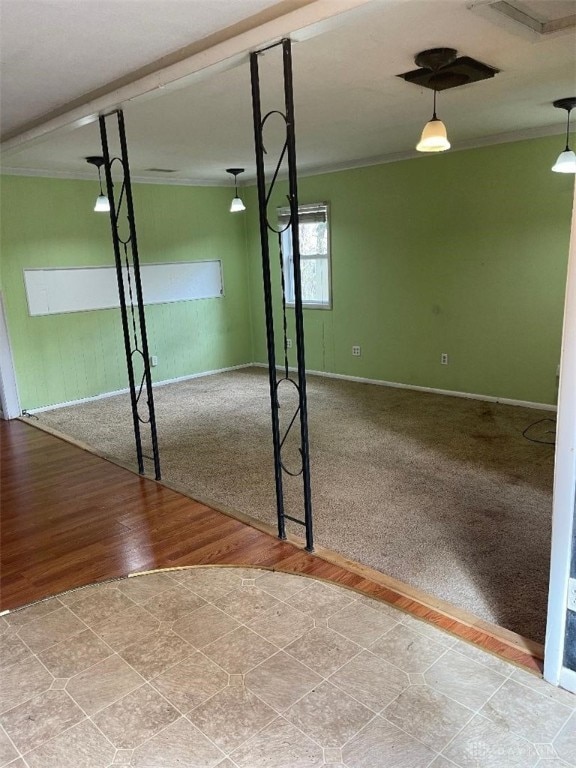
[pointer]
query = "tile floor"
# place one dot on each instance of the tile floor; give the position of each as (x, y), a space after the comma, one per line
(244, 668)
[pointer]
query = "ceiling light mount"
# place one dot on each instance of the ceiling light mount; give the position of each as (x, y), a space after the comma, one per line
(566, 162)
(236, 205)
(441, 68)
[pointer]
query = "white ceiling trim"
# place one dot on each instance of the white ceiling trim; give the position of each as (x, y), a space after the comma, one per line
(498, 138)
(219, 57)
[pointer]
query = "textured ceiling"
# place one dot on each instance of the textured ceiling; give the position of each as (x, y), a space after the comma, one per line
(351, 107)
(54, 51)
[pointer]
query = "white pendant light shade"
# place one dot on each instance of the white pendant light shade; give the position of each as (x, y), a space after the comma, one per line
(434, 137)
(237, 205)
(566, 162)
(102, 204)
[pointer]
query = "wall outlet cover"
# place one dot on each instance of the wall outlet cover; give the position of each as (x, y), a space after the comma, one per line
(444, 358)
(289, 343)
(153, 360)
(356, 351)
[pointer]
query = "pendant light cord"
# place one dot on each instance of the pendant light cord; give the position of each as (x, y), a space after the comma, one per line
(100, 180)
(568, 131)
(434, 115)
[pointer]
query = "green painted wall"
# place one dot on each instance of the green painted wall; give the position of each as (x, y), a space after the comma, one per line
(58, 358)
(463, 253)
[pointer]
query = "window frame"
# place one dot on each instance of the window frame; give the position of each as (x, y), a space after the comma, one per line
(288, 260)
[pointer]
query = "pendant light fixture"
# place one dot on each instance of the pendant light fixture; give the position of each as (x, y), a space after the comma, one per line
(102, 202)
(236, 205)
(434, 137)
(566, 162)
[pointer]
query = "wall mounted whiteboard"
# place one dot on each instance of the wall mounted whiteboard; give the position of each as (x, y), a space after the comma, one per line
(77, 289)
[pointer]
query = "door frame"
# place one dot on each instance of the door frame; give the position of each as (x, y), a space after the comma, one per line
(9, 398)
(564, 496)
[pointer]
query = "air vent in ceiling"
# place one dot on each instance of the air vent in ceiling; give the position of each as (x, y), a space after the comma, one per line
(540, 17)
(441, 68)
(161, 170)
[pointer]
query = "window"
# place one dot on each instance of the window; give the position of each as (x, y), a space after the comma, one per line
(314, 255)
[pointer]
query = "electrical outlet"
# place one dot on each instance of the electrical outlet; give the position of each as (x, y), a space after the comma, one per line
(153, 360)
(356, 351)
(444, 358)
(289, 343)
(572, 594)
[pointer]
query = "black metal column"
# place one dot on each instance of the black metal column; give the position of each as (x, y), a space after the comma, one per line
(288, 151)
(135, 339)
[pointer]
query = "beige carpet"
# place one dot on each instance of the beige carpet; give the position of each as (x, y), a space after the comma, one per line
(440, 492)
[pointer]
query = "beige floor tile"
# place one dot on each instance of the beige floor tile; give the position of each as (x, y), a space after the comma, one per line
(380, 606)
(205, 625)
(239, 651)
(323, 650)
(50, 629)
(371, 680)
(427, 715)
(282, 624)
(526, 712)
(21, 617)
(12, 650)
(443, 762)
(319, 600)
(329, 716)
(22, 681)
(7, 750)
(100, 685)
(407, 649)
(539, 684)
(191, 682)
(154, 654)
(209, 583)
(382, 744)
(484, 658)
(246, 603)
(177, 746)
(281, 681)
(464, 680)
(173, 604)
(565, 742)
(75, 595)
(428, 629)
(361, 623)
(75, 654)
(281, 585)
(226, 764)
(135, 718)
(231, 717)
(483, 744)
(82, 746)
(551, 763)
(143, 587)
(279, 745)
(18, 763)
(126, 627)
(101, 604)
(333, 756)
(31, 724)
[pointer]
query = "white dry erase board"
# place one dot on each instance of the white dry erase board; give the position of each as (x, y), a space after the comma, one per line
(77, 289)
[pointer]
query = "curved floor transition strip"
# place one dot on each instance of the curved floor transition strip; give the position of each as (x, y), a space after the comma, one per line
(246, 668)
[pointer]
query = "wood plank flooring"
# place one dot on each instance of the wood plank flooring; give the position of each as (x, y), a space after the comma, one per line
(71, 518)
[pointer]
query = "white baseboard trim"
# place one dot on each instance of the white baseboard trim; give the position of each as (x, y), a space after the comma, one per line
(568, 679)
(432, 390)
(126, 390)
(325, 374)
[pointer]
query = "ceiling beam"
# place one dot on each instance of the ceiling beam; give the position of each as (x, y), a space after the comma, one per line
(223, 50)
